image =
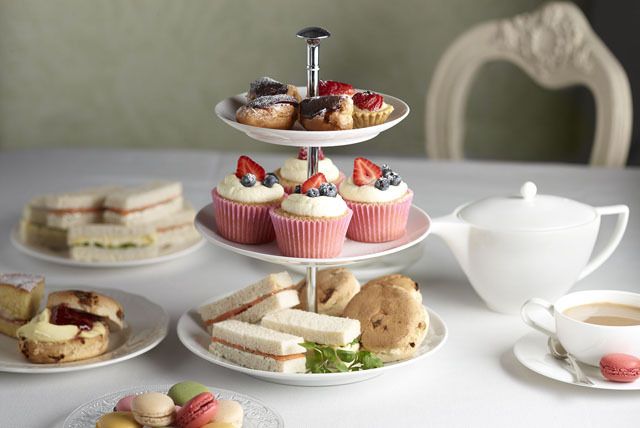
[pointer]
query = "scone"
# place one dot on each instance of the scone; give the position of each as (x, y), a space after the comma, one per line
(398, 280)
(266, 86)
(74, 326)
(271, 111)
(328, 113)
(393, 323)
(334, 287)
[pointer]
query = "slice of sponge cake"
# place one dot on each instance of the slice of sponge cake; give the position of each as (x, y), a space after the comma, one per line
(20, 295)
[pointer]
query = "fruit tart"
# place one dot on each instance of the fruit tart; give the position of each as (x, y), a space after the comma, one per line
(331, 87)
(370, 109)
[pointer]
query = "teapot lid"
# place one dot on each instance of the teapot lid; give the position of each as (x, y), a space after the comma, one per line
(527, 211)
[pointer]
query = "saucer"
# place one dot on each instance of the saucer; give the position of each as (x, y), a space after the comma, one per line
(531, 350)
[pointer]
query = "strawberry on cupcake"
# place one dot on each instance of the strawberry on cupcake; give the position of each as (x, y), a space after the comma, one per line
(313, 221)
(370, 109)
(294, 170)
(380, 201)
(242, 202)
(331, 87)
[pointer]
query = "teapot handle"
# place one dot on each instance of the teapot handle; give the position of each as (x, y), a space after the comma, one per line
(622, 211)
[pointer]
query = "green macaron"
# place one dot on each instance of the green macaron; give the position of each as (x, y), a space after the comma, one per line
(182, 392)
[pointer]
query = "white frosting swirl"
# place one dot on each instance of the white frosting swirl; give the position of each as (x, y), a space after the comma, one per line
(231, 188)
(320, 206)
(295, 170)
(370, 194)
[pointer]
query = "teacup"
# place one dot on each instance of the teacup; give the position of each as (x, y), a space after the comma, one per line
(587, 341)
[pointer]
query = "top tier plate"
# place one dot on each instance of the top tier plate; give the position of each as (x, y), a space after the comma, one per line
(298, 136)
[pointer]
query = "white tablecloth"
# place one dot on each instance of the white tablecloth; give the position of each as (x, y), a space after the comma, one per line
(473, 381)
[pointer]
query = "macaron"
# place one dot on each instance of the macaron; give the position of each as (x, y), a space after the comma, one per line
(620, 367)
(117, 420)
(198, 411)
(124, 404)
(182, 392)
(229, 412)
(153, 409)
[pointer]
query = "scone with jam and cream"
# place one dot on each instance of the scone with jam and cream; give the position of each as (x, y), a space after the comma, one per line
(369, 109)
(380, 201)
(312, 223)
(242, 201)
(294, 170)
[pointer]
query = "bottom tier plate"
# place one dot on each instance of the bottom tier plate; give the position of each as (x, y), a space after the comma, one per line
(195, 338)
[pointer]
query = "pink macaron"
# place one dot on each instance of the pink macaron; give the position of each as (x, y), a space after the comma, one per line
(124, 404)
(620, 367)
(198, 411)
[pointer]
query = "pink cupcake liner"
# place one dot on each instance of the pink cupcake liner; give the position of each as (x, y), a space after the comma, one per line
(317, 239)
(243, 223)
(379, 222)
(290, 189)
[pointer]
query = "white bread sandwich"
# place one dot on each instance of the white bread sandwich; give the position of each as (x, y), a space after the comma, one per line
(276, 291)
(109, 242)
(143, 204)
(177, 229)
(258, 347)
(75, 325)
(318, 328)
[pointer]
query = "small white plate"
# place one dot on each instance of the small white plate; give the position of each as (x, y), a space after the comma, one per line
(62, 257)
(418, 227)
(256, 413)
(298, 136)
(146, 326)
(531, 350)
(194, 336)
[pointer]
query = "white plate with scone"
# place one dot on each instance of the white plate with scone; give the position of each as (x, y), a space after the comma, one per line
(143, 326)
(298, 136)
(195, 338)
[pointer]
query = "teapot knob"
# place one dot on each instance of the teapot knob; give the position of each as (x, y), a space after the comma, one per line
(528, 190)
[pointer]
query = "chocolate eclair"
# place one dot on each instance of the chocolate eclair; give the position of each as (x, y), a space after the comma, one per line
(266, 86)
(327, 113)
(269, 111)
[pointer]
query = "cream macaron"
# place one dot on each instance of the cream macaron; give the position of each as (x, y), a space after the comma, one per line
(153, 409)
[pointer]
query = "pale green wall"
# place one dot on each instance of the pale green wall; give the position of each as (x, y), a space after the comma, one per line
(147, 73)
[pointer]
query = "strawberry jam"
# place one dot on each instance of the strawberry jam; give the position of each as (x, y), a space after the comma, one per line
(64, 315)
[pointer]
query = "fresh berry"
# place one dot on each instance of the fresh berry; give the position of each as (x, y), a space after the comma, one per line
(331, 87)
(365, 172)
(248, 180)
(386, 171)
(297, 189)
(313, 193)
(368, 100)
(382, 183)
(246, 165)
(395, 179)
(313, 182)
(328, 189)
(270, 179)
(302, 153)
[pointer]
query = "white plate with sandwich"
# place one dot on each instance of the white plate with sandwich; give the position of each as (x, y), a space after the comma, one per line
(109, 226)
(271, 350)
(142, 327)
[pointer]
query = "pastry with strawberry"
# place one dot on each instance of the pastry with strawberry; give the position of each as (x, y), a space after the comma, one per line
(331, 87)
(294, 170)
(380, 201)
(370, 109)
(313, 221)
(327, 113)
(242, 201)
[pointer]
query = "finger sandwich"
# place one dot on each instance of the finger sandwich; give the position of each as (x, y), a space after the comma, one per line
(143, 204)
(257, 347)
(177, 229)
(110, 242)
(276, 291)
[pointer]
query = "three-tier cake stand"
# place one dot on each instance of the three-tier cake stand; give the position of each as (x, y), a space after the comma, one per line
(418, 226)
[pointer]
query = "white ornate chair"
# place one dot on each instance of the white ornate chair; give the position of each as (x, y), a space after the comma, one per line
(556, 47)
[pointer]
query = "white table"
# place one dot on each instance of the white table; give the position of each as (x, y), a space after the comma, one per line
(473, 381)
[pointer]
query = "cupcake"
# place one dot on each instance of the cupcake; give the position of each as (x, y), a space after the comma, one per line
(370, 109)
(294, 170)
(331, 87)
(242, 202)
(313, 222)
(380, 201)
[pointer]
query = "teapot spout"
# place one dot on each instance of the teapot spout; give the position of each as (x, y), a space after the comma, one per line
(455, 233)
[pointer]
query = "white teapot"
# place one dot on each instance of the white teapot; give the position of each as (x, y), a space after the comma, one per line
(514, 248)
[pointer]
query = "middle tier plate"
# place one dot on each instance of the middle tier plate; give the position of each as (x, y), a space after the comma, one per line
(418, 227)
